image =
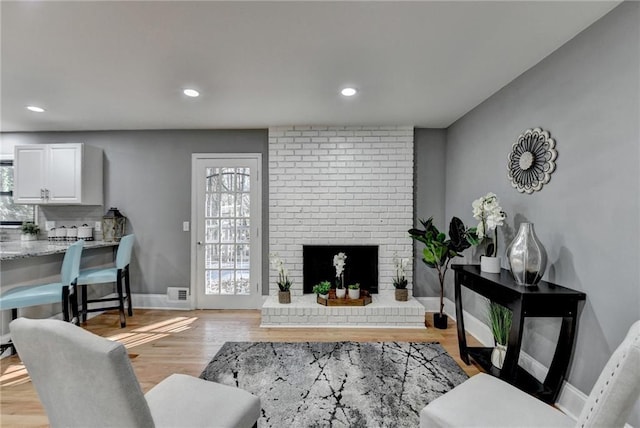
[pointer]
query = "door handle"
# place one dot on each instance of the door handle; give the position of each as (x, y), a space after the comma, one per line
(199, 242)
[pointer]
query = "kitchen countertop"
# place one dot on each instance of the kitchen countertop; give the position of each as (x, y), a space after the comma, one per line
(12, 250)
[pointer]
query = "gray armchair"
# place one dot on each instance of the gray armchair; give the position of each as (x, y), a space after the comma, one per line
(84, 380)
(485, 401)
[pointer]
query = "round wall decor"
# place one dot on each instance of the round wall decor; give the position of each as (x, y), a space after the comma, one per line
(532, 160)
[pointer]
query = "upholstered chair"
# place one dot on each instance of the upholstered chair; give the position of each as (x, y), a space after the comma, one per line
(61, 358)
(486, 401)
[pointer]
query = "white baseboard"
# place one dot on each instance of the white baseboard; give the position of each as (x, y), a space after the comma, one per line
(159, 301)
(570, 399)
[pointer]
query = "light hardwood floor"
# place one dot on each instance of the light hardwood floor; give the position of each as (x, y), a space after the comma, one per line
(162, 342)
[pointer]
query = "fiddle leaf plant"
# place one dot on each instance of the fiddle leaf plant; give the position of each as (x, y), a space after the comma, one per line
(439, 250)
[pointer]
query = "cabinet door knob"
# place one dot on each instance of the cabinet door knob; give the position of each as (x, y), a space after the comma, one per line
(41, 193)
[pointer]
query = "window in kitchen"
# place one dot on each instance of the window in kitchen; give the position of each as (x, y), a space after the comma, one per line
(10, 213)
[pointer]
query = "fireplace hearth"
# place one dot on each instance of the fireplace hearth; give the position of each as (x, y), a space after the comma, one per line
(361, 265)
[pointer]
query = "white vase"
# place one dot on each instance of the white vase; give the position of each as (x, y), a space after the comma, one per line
(324, 296)
(490, 264)
(341, 293)
(354, 294)
(498, 354)
(28, 237)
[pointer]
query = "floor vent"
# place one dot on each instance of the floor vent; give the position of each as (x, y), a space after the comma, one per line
(177, 294)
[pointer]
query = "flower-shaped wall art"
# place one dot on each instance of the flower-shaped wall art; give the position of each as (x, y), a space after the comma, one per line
(532, 160)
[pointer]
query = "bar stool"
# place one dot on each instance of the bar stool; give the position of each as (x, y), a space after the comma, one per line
(44, 294)
(107, 276)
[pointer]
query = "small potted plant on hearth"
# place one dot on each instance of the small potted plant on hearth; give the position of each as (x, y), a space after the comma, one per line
(29, 231)
(439, 251)
(339, 261)
(500, 320)
(284, 284)
(354, 291)
(400, 281)
(322, 289)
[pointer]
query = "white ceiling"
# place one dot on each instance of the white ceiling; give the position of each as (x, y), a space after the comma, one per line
(122, 65)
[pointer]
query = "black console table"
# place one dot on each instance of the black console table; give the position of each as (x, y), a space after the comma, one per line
(542, 300)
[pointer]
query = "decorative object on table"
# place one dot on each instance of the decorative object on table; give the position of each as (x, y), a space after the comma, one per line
(29, 231)
(61, 233)
(439, 251)
(489, 213)
(339, 262)
(113, 225)
(527, 257)
(500, 320)
(380, 384)
(354, 291)
(72, 233)
(400, 281)
(322, 289)
(284, 284)
(532, 160)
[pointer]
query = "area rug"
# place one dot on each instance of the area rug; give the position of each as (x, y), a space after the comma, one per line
(337, 384)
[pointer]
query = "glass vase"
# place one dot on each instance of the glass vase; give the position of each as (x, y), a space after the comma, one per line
(527, 257)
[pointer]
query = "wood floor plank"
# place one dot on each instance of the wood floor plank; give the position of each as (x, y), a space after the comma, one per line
(162, 342)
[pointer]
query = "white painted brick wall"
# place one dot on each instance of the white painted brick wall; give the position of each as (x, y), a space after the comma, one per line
(334, 185)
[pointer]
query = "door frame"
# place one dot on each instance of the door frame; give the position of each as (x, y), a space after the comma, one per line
(257, 226)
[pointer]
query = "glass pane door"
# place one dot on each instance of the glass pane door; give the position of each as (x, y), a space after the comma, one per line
(229, 233)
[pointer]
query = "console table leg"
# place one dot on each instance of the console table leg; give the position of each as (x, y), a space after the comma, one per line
(462, 337)
(510, 366)
(562, 355)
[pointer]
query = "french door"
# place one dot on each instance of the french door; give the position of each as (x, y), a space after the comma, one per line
(226, 215)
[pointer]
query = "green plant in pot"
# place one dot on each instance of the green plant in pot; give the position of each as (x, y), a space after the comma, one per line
(29, 231)
(354, 291)
(500, 322)
(322, 289)
(439, 251)
(284, 284)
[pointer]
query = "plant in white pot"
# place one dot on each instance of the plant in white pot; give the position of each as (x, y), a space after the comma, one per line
(339, 262)
(284, 284)
(354, 291)
(322, 289)
(489, 213)
(500, 320)
(29, 231)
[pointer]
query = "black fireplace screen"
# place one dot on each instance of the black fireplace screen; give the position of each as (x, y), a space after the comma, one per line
(361, 265)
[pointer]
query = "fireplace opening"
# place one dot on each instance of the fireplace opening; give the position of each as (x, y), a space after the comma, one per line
(361, 265)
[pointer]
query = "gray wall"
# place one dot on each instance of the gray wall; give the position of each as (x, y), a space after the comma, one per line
(429, 186)
(587, 95)
(147, 175)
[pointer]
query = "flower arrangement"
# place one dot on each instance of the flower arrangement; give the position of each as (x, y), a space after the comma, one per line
(400, 281)
(489, 213)
(283, 274)
(322, 288)
(339, 262)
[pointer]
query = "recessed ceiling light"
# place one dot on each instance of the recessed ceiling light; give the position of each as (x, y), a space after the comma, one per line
(35, 109)
(349, 92)
(191, 93)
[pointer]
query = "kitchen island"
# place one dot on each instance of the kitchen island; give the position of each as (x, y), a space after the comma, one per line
(12, 250)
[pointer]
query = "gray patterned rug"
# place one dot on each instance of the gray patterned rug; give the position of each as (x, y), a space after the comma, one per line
(337, 384)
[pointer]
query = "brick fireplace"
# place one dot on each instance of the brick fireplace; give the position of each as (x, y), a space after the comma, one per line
(340, 186)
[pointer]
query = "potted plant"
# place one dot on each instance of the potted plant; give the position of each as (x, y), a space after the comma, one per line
(322, 289)
(500, 320)
(339, 262)
(439, 251)
(284, 284)
(488, 212)
(354, 291)
(400, 281)
(29, 231)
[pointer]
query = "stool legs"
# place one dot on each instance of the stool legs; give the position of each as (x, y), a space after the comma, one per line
(127, 283)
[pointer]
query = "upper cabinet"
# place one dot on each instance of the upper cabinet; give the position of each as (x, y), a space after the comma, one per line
(64, 174)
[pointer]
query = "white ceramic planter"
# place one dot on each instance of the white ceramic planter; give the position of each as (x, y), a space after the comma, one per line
(497, 355)
(490, 264)
(354, 294)
(28, 237)
(341, 293)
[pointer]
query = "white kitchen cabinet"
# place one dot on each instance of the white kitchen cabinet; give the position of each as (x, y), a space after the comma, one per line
(63, 174)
